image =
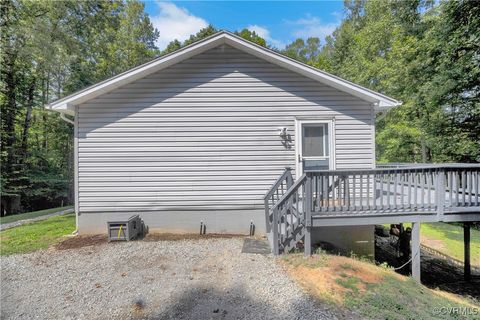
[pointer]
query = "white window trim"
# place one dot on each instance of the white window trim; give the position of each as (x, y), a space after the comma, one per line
(298, 141)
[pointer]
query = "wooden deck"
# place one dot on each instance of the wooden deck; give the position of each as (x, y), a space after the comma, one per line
(391, 194)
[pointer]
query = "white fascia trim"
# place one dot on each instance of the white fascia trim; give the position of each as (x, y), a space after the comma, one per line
(63, 108)
(67, 104)
(381, 100)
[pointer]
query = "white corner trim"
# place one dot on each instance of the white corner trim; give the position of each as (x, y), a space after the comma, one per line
(76, 169)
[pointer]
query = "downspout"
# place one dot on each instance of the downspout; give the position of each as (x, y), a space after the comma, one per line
(64, 118)
(62, 115)
(382, 115)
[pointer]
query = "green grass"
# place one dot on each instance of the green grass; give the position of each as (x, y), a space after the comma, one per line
(29, 215)
(373, 291)
(394, 299)
(348, 282)
(37, 235)
(451, 237)
(448, 239)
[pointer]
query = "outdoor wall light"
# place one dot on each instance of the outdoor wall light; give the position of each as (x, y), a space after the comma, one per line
(286, 137)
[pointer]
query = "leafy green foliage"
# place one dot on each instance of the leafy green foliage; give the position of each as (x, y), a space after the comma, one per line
(202, 34)
(251, 36)
(304, 51)
(51, 49)
(423, 53)
(208, 31)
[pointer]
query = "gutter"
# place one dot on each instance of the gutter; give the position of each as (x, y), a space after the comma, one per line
(64, 118)
(383, 111)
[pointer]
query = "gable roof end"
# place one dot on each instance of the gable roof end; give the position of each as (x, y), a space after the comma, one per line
(67, 104)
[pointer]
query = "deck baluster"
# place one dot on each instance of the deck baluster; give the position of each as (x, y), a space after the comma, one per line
(470, 188)
(477, 187)
(431, 188)
(361, 192)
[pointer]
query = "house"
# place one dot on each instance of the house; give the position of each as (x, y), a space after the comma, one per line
(199, 136)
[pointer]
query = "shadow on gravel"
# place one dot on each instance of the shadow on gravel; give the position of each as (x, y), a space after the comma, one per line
(208, 303)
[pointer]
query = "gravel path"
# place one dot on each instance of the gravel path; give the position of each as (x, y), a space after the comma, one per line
(9, 225)
(187, 279)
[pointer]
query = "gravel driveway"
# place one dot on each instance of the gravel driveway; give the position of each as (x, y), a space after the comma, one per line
(186, 279)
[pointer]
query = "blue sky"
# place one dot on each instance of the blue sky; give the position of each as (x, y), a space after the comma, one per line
(279, 22)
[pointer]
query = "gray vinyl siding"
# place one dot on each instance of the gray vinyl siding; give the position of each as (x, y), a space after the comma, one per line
(203, 135)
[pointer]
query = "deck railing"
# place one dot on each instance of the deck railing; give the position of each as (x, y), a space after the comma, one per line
(428, 193)
(422, 190)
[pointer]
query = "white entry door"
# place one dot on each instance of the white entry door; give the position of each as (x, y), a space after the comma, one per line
(314, 145)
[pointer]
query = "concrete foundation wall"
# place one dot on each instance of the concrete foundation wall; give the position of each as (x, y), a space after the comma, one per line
(357, 239)
(220, 221)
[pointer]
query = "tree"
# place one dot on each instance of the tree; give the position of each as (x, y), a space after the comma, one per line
(207, 32)
(452, 91)
(307, 52)
(202, 34)
(50, 49)
(251, 36)
(425, 54)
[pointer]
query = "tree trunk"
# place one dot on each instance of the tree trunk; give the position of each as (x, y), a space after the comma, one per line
(28, 118)
(8, 113)
(424, 149)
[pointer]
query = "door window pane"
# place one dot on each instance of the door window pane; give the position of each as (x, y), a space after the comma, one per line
(315, 140)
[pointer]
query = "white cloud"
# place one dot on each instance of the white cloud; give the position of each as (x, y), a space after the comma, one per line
(312, 26)
(175, 23)
(261, 31)
(265, 34)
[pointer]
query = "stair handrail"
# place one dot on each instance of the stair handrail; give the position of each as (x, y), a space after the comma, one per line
(277, 212)
(287, 178)
(286, 175)
(292, 189)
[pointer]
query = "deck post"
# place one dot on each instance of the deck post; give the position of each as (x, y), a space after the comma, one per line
(415, 243)
(267, 215)
(308, 215)
(441, 194)
(276, 249)
(466, 249)
(308, 241)
(289, 178)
